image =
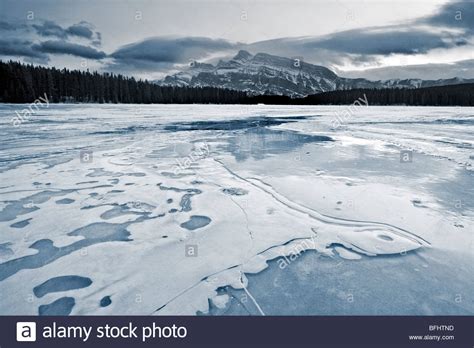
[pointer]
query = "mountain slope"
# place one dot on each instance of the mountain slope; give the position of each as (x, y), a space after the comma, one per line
(267, 74)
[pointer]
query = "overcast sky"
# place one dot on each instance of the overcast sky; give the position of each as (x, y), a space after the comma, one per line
(148, 38)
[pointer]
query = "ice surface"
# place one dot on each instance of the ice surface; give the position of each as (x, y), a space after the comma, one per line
(280, 207)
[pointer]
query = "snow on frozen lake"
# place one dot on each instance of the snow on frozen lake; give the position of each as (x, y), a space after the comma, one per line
(205, 209)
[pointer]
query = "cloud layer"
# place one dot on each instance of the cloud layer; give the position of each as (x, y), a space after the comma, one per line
(73, 49)
(449, 28)
(444, 33)
(170, 50)
(37, 42)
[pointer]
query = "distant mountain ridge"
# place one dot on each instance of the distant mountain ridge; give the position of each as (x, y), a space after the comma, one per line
(263, 73)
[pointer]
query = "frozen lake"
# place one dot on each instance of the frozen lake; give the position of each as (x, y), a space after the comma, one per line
(205, 209)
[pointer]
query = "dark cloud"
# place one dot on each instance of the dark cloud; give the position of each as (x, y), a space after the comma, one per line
(81, 30)
(381, 41)
(49, 28)
(25, 41)
(361, 44)
(458, 14)
(5, 26)
(64, 47)
(21, 48)
(170, 50)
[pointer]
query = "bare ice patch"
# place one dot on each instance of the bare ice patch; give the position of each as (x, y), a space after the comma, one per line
(62, 306)
(63, 283)
(195, 222)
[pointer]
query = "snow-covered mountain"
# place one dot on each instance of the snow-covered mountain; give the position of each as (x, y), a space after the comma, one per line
(268, 74)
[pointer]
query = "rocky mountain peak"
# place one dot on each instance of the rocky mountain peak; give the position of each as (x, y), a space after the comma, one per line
(242, 55)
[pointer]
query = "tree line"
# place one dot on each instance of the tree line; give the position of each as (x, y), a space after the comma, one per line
(453, 95)
(23, 83)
